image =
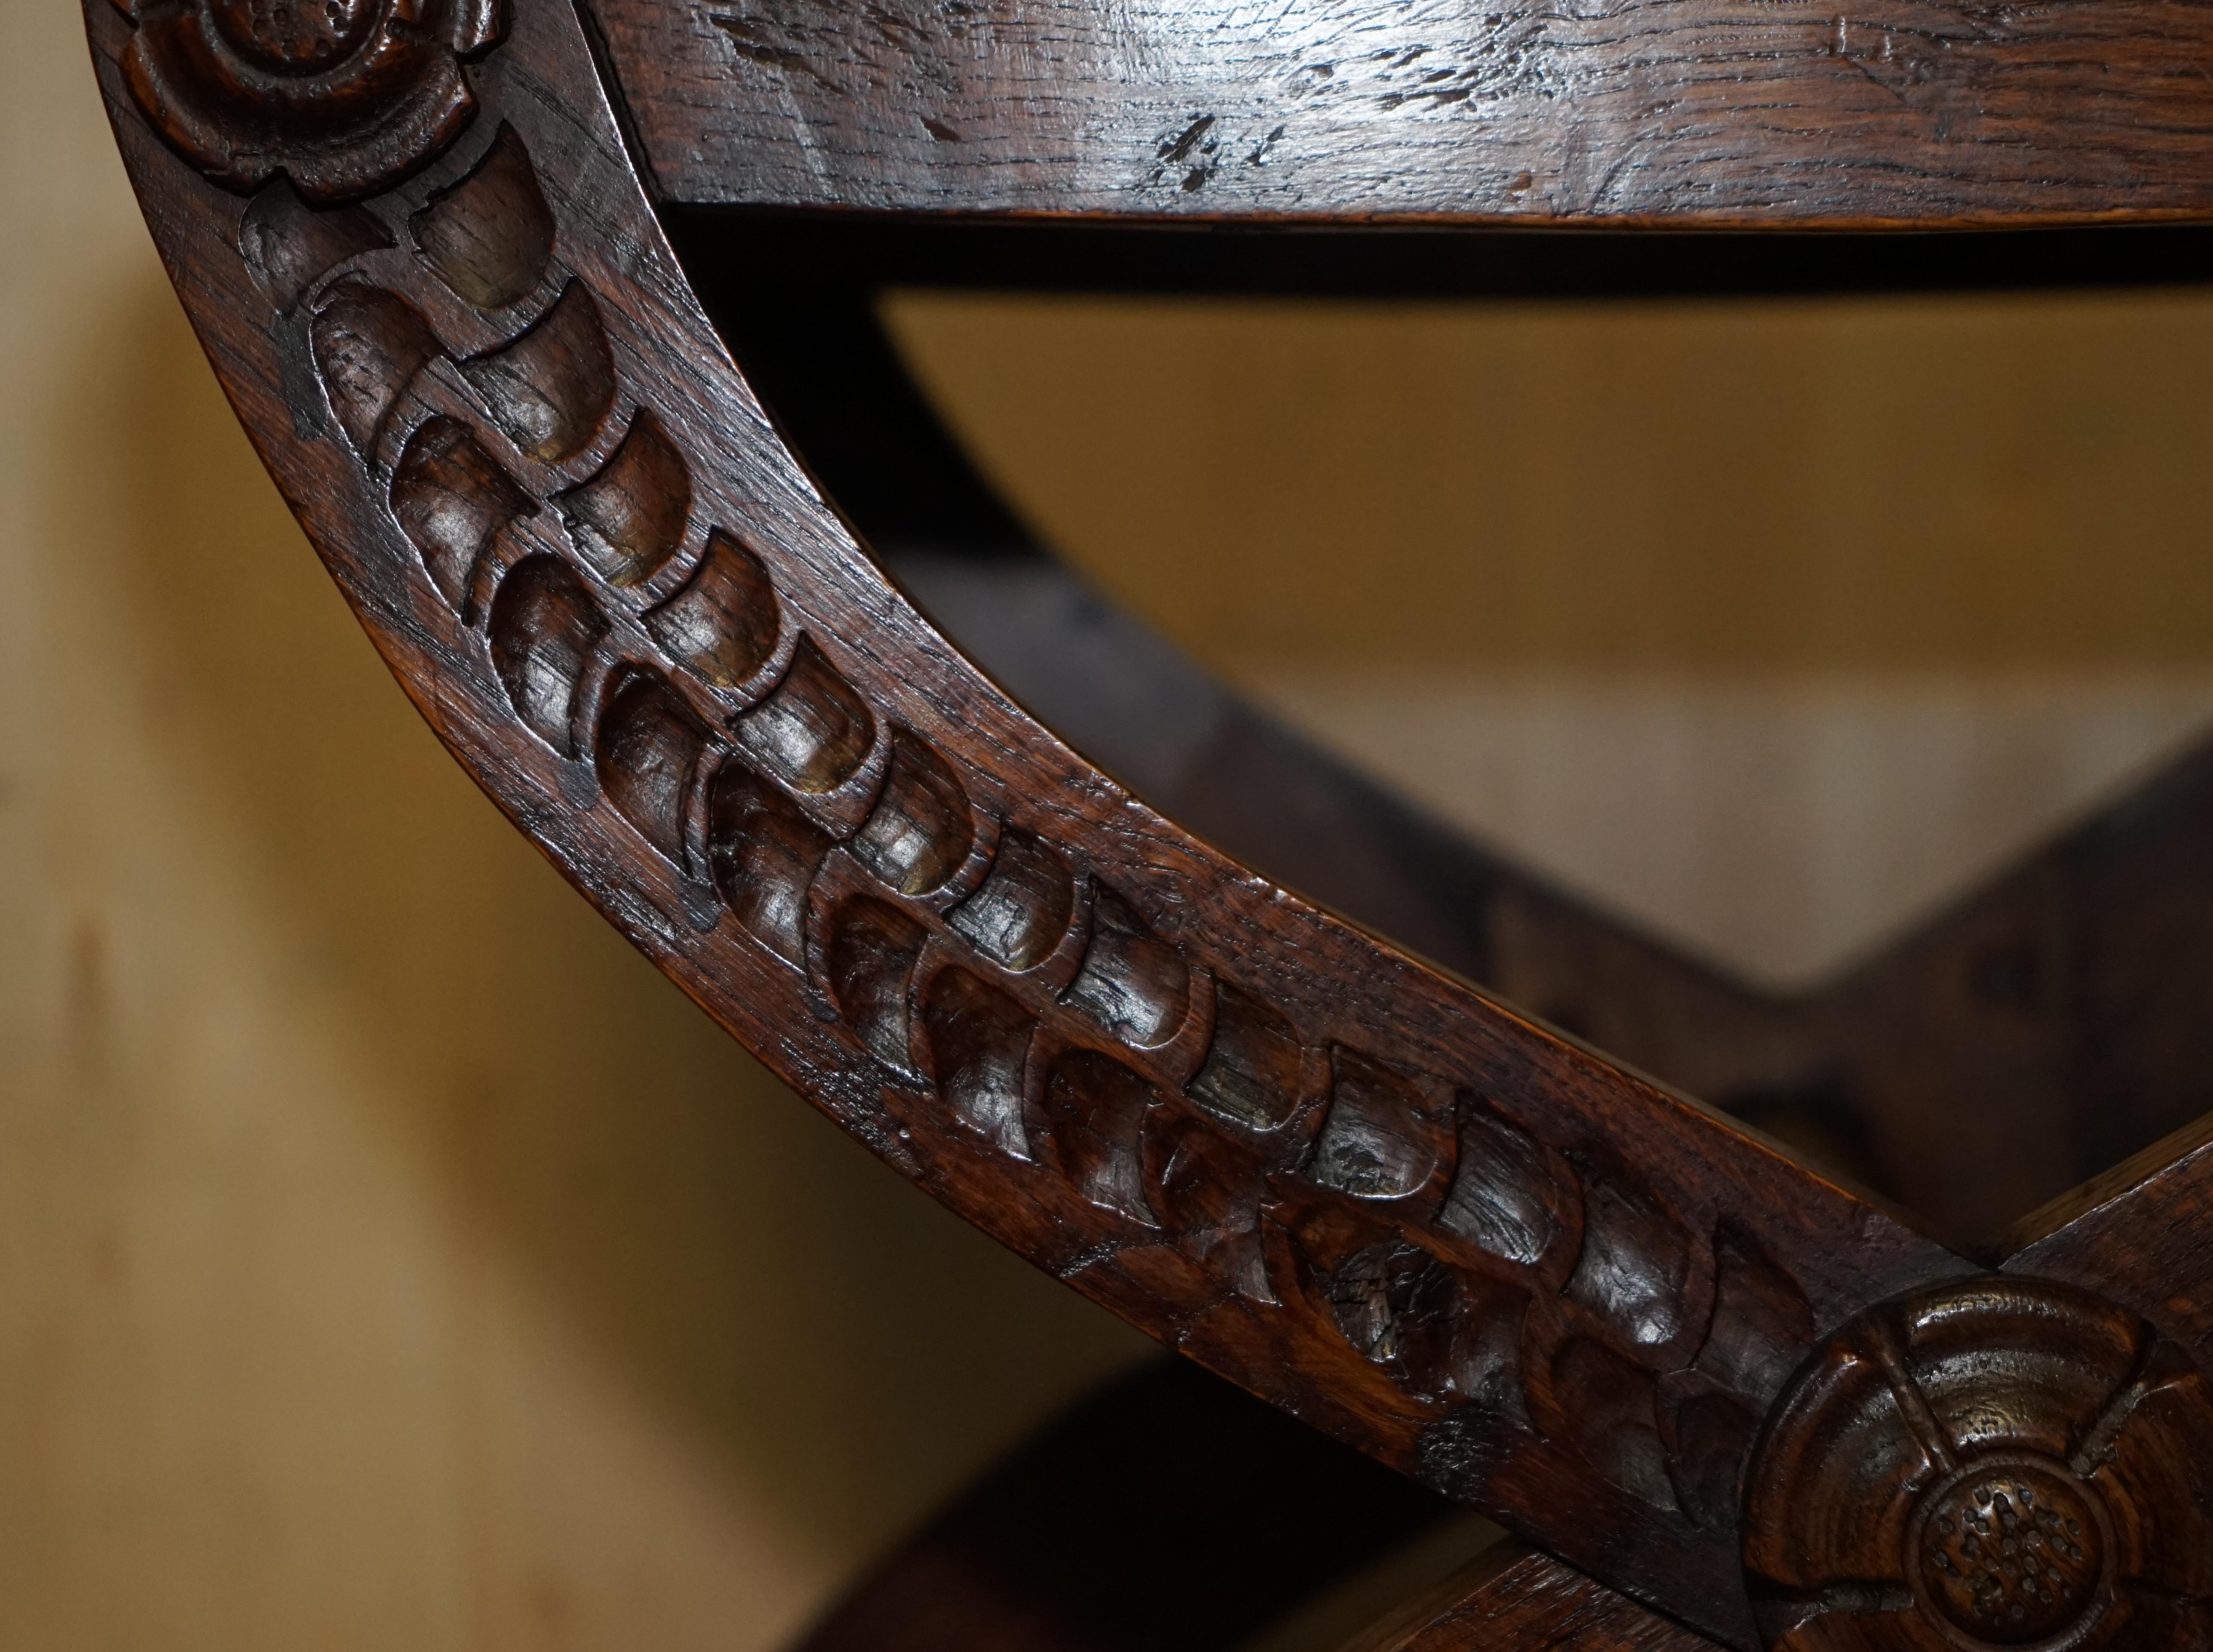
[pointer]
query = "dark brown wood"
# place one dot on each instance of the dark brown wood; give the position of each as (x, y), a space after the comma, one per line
(1510, 1597)
(2039, 1029)
(2004, 1462)
(343, 98)
(1432, 1229)
(1686, 111)
(1439, 1232)
(2012, 1047)
(2142, 1234)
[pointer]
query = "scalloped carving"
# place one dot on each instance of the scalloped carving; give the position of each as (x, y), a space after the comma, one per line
(815, 732)
(1384, 1138)
(1511, 1196)
(763, 854)
(1397, 1306)
(979, 1040)
(1708, 1440)
(552, 388)
(723, 624)
(1635, 1263)
(1763, 1327)
(367, 344)
(872, 954)
(290, 246)
(919, 834)
(1208, 1189)
(629, 519)
(1024, 906)
(1254, 1064)
(491, 237)
(1094, 1116)
(1617, 1418)
(649, 744)
(544, 627)
(1442, 1333)
(1459, 1251)
(451, 499)
(1132, 983)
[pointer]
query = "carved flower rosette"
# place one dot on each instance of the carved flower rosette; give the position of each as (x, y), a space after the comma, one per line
(1999, 1464)
(345, 97)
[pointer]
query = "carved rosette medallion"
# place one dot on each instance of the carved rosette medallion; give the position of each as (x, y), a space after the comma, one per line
(345, 97)
(2002, 1463)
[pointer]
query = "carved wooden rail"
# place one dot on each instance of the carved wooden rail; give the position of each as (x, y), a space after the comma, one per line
(1698, 111)
(417, 251)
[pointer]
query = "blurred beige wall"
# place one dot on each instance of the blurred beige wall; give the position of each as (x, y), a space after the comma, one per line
(389, 1258)
(1772, 625)
(1727, 489)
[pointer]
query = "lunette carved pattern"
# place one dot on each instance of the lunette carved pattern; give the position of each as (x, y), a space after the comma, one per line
(1519, 1286)
(1464, 1276)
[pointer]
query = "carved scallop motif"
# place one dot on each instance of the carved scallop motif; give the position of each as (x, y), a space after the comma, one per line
(628, 521)
(1511, 1196)
(919, 834)
(550, 388)
(1384, 1138)
(1209, 1188)
(451, 499)
(1442, 1333)
(288, 245)
(815, 731)
(544, 627)
(343, 97)
(872, 951)
(490, 236)
(1019, 915)
(367, 344)
(1094, 1115)
(723, 623)
(648, 745)
(1635, 1261)
(1615, 1405)
(1251, 1070)
(1998, 1463)
(978, 1040)
(1132, 983)
(763, 854)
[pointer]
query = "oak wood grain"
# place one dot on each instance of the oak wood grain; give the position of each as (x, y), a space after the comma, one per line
(1425, 1225)
(2142, 1234)
(1705, 112)
(1435, 1229)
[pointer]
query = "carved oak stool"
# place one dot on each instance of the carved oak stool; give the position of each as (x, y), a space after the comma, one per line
(1732, 1401)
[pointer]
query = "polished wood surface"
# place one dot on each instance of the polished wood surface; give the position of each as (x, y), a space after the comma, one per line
(2039, 1024)
(1705, 113)
(2000, 1462)
(1435, 1230)
(1431, 1229)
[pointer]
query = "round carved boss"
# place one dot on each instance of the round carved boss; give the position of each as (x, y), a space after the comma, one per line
(345, 97)
(2002, 1463)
